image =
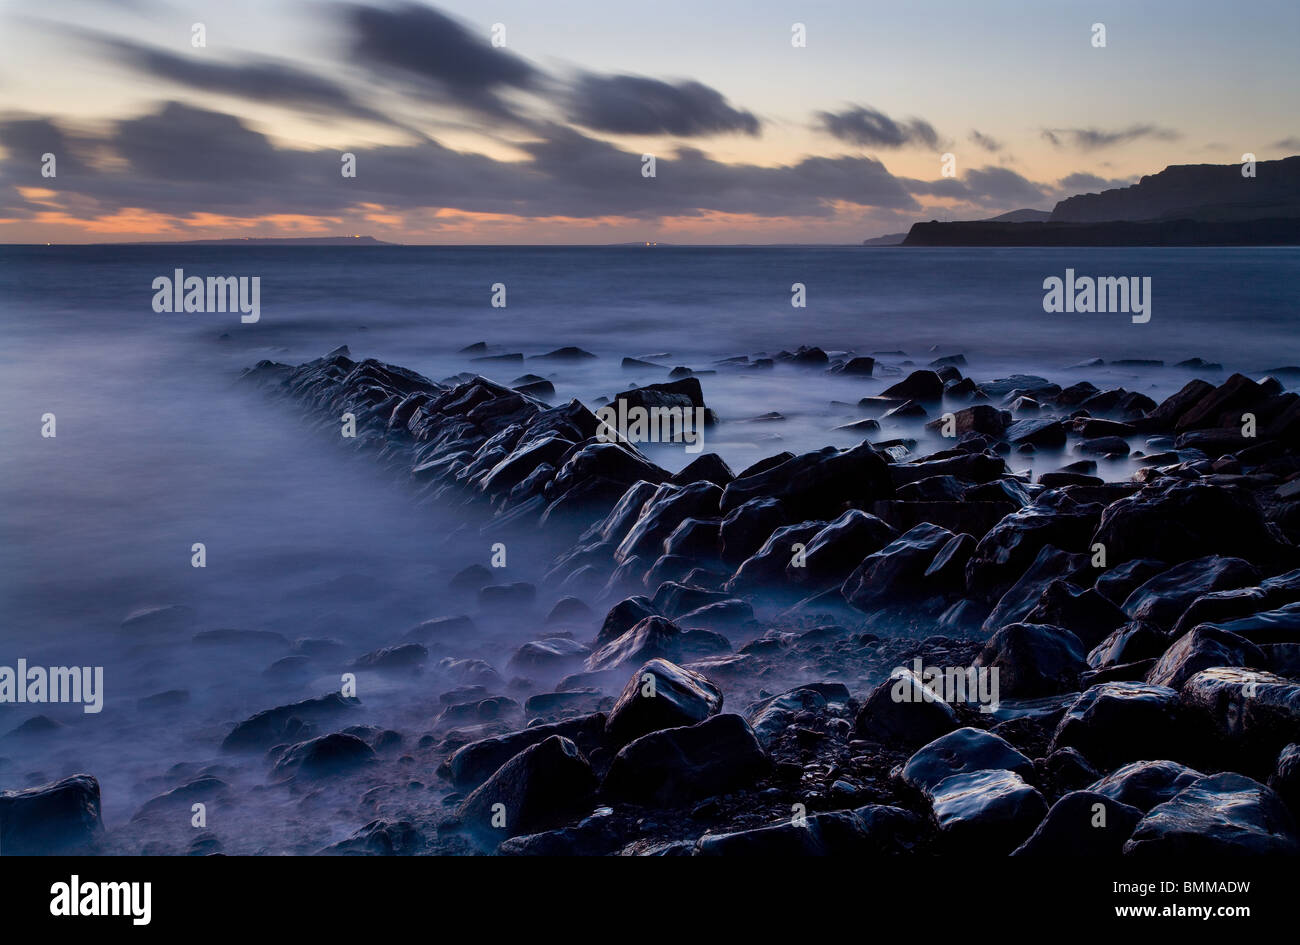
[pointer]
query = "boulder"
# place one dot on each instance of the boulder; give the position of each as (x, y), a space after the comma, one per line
(1117, 583)
(745, 528)
(60, 817)
(1144, 784)
(1118, 722)
(919, 385)
(1082, 823)
(1033, 660)
(676, 766)
(991, 811)
(336, 753)
(1082, 611)
(903, 711)
(542, 786)
(1164, 598)
(834, 551)
(655, 637)
(622, 617)
(817, 485)
(1050, 565)
(1203, 648)
(661, 695)
(474, 763)
(1010, 547)
(766, 567)
(896, 571)
(961, 752)
(1223, 815)
(872, 830)
(1256, 714)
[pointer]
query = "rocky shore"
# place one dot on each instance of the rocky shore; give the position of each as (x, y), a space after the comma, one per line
(751, 662)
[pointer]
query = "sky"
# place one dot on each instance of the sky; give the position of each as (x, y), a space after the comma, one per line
(517, 121)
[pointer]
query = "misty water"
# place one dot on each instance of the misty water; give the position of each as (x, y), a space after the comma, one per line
(159, 445)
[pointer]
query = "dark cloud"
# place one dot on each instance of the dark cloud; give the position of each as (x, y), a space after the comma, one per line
(986, 142)
(1092, 139)
(259, 80)
(182, 159)
(872, 128)
(420, 45)
(636, 105)
(1083, 183)
(1287, 144)
(989, 187)
(27, 140)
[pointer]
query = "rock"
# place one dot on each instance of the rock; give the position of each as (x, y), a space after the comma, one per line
(656, 637)
(514, 597)
(549, 655)
(379, 838)
(569, 610)
(766, 566)
(961, 752)
(1118, 722)
(678, 765)
(946, 572)
(672, 599)
(1129, 644)
(405, 656)
(542, 786)
(1176, 521)
(919, 385)
(834, 551)
(1271, 626)
(470, 578)
(817, 485)
(902, 711)
(441, 629)
(1144, 784)
(1203, 648)
(336, 753)
(991, 811)
(286, 722)
(729, 613)
(1083, 612)
(1164, 598)
(1285, 779)
(661, 695)
(858, 367)
(897, 571)
(1044, 433)
(1010, 547)
(745, 528)
(1223, 815)
(1082, 823)
(1217, 606)
(981, 418)
(1050, 565)
(1068, 769)
(60, 817)
(1117, 583)
(622, 617)
(474, 763)
(1255, 713)
(872, 830)
(1167, 414)
(204, 789)
(685, 393)
(708, 467)
(663, 513)
(1033, 660)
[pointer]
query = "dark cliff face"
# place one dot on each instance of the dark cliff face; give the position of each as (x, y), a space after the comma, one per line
(1207, 192)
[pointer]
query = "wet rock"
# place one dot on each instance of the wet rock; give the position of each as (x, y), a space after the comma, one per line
(1118, 722)
(1117, 583)
(694, 538)
(336, 753)
(991, 811)
(205, 789)
(872, 830)
(961, 752)
(679, 765)
(1285, 779)
(1050, 565)
(1271, 626)
(514, 597)
(405, 656)
(474, 763)
(568, 611)
(1144, 784)
(896, 571)
(1164, 598)
(766, 567)
(286, 722)
(946, 573)
(817, 485)
(551, 654)
(672, 599)
(1033, 660)
(1010, 547)
(655, 637)
(1178, 521)
(665, 510)
(1255, 713)
(1082, 823)
(834, 551)
(542, 786)
(1223, 815)
(745, 528)
(1220, 606)
(981, 418)
(1129, 644)
(380, 838)
(919, 385)
(622, 617)
(1083, 612)
(476, 711)
(903, 711)
(1203, 648)
(1068, 769)
(60, 817)
(858, 367)
(661, 695)
(729, 613)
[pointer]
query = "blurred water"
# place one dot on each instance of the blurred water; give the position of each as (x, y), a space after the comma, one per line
(159, 446)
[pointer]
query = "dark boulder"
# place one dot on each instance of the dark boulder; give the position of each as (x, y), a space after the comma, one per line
(1203, 648)
(1082, 823)
(1011, 546)
(746, 527)
(961, 752)
(1034, 660)
(766, 567)
(1223, 815)
(990, 811)
(897, 571)
(1118, 722)
(542, 786)
(474, 763)
(661, 695)
(817, 485)
(867, 831)
(1144, 784)
(61, 817)
(903, 711)
(832, 554)
(336, 753)
(1164, 598)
